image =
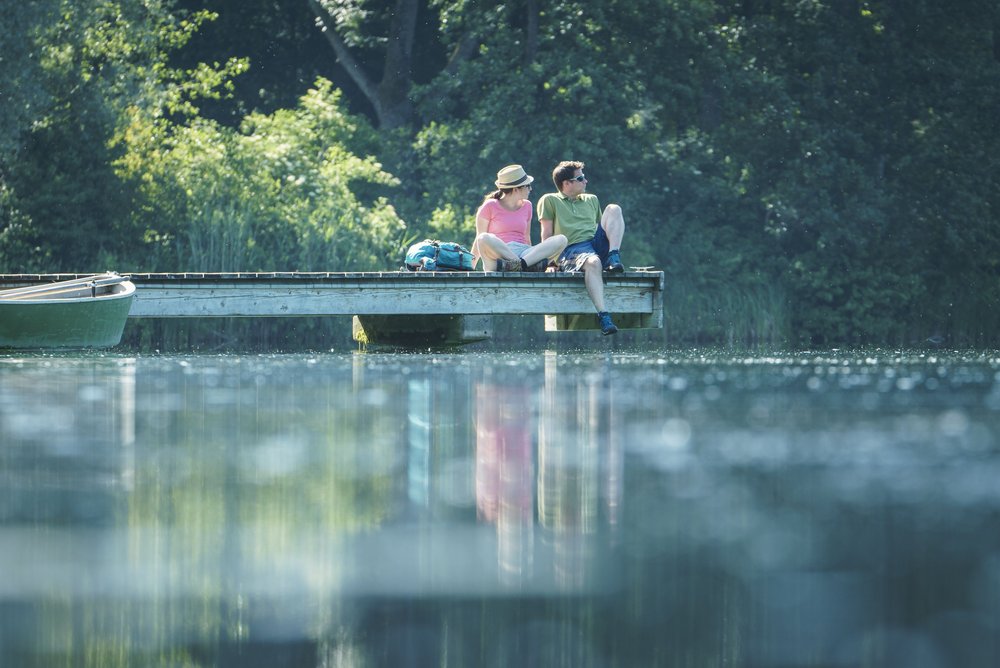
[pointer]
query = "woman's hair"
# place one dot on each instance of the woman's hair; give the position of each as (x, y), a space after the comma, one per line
(564, 172)
(498, 193)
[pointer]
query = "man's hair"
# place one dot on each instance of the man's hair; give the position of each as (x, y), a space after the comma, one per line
(564, 172)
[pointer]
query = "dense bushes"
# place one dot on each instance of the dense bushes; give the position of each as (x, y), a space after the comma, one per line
(281, 193)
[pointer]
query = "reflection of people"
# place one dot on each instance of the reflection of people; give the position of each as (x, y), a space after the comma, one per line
(594, 237)
(505, 473)
(580, 469)
(503, 227)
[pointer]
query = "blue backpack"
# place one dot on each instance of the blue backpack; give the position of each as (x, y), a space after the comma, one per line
(430, 255)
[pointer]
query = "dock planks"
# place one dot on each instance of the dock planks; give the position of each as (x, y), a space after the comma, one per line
(272, 294)
(375, 299)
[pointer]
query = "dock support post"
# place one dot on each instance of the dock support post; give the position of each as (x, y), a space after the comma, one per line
(588, 321)
(432, 330)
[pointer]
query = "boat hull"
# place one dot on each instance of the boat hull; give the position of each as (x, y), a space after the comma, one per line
(90, 322)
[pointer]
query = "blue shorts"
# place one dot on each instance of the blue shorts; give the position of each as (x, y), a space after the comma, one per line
(574, 255)
(518, 248)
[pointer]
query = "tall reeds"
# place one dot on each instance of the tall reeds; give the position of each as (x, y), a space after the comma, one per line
(737, 315)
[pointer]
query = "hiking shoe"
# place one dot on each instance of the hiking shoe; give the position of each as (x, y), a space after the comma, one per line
(604, 320)
(541, 265)
(614, 263)
(509, 265)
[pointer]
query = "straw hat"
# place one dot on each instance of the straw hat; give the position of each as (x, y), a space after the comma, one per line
(513, 176)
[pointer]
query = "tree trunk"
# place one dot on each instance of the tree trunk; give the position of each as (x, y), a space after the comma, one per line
(390, 97)
(395, 108)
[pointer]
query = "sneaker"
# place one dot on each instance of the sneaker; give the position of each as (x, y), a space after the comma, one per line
(614, 263)
(509, 265)
(541, 265)
(604, 320)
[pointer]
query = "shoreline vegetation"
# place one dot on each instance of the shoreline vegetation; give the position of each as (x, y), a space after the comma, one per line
(805, 173)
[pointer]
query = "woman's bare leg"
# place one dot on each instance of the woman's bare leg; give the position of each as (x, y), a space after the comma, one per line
(550, 248)
(493, 248)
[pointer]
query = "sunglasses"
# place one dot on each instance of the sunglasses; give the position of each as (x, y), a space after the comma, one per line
(580, 178)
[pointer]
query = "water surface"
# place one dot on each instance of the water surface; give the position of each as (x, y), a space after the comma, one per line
(643, 508)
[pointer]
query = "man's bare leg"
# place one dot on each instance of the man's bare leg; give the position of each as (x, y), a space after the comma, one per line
(594, 280)
(613, 222)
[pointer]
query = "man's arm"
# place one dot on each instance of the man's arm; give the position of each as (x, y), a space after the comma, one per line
(546, 216)
(546, 226)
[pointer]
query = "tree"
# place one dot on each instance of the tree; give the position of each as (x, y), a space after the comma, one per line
(829, 163)
(22, 99)
(64, 206)
(390, 96)
(376, 44)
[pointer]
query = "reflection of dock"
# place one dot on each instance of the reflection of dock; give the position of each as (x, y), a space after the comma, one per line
(390, 301)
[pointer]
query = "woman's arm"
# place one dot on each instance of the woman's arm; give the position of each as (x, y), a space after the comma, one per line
(482, 225)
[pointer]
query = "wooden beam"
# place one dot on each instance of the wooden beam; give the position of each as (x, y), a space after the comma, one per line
(281, 294)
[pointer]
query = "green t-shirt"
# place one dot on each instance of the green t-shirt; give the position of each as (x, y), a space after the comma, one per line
(576, 218)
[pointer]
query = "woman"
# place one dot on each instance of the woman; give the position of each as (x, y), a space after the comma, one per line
(503, 227)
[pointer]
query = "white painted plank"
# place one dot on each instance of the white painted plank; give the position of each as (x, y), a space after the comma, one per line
(267, 294)
(153, 301)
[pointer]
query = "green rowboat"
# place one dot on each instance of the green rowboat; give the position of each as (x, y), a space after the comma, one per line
(87, 312)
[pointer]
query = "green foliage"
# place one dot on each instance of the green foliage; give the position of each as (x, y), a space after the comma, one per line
(121, 170)
(92, 61)
(845, 90)
(838, 151)
(452, 223)
(16, 236)
(279, 194)
(21, 97)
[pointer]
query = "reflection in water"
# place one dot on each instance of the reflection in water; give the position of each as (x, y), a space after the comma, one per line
(505, 472)
(574, 431)
(519, 509)
(80, 418)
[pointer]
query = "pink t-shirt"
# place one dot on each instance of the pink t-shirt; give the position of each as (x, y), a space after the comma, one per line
(508, 225)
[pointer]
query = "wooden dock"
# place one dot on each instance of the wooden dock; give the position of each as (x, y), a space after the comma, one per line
(388, 303)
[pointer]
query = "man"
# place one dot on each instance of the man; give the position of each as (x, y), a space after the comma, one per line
(594, 237)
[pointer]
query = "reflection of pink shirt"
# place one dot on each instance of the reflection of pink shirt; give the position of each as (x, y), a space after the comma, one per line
(505, 468)
(508, 225)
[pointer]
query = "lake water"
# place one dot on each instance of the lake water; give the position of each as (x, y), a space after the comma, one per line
(550, 508)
